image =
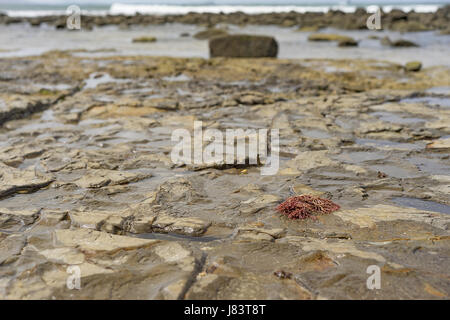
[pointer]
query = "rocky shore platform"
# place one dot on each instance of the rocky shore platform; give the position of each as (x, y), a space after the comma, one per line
(87, 181)
(396, 20)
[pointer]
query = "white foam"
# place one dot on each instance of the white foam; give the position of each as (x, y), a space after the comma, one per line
(119, 8)
(129, 9)
(416, 8)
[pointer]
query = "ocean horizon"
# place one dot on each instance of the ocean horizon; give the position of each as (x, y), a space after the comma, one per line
(30, 8)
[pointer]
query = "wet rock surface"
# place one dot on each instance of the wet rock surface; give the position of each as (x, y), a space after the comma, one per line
(88, 181)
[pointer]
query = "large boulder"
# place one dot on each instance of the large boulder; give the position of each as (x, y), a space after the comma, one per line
(243, 46)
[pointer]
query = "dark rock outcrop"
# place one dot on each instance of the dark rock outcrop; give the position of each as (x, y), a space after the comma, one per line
(243, 46)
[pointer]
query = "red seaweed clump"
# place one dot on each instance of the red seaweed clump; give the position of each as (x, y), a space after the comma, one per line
(304, 206)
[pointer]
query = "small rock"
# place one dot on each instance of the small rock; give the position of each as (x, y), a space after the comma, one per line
(348, 43)
(88, 220)
(413, 66)
(439, 144)
(445, 31)
(209, 34)
(10, 246)
(381, 175)
(379, 126)
(14, 220)
(275, 233)
(308, 160)
(255, 236)
(113, 224)
(52, 217)
(250, 99)
(398, 43)
(186, 226)
(409, 26)
(300, 189)
(144, 40)
(141, 223)
(309, 28)
(288, 23)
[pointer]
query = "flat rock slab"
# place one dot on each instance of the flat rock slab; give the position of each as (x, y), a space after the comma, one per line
(91, 240)
(102, 177)
(439, 144)
(132, 266)
(368, 217)
(14, 180)
(15, 220)
(185, 226)
(351, 130)
(254, 233)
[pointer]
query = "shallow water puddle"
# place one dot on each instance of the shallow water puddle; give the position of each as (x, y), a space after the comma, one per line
(27, 163)
(396, 118)
(422, 204)
(439, 90)
(432, 166)
(173, 236)
(360, 156)
(315, 134)
(137, 91)
(394, 171)
(179, 78)
(40, 126)
(136, 136)
(95, 79)
(89, 122)
(390, 144)
(347, 124)
(105, 130)
(443, 102)
(47, 115)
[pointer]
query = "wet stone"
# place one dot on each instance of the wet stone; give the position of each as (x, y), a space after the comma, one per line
(89, 181)
(15, 180)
